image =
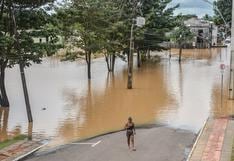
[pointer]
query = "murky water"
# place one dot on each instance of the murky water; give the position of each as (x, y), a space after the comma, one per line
(182, 96)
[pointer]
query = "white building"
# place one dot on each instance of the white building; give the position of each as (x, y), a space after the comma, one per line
(205, 32)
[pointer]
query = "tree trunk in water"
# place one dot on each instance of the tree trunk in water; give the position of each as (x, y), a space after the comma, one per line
(180, 53)
(110, 62)
(113, 62)
(88, 60)
(138, 58)
(148, 54)
(4, 102)
(26, 97)
(128, 56)
(170, 52)
(107, 62)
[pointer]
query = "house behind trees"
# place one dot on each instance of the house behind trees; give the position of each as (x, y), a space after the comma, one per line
(206, 32)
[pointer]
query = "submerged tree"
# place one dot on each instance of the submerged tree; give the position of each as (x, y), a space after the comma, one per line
(159, 21)
(115, 33)
(182, 35)
(103, 27)
(85, 30)
(110, 21)
(22, 22)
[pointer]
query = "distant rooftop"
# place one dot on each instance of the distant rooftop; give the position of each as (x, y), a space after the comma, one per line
(197, 22)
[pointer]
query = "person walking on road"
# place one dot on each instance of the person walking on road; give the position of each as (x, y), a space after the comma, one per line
(130, 132)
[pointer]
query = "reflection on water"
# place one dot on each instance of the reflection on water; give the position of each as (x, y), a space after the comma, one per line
(4, 131)
(181, 96)
(107, 109)
(4, 113)
(200, 53)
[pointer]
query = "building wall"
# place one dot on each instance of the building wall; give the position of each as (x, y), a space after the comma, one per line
(205, 31)
(214, 35)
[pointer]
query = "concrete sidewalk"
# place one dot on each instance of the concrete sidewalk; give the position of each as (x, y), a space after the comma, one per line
(215, 141)
(153, 144)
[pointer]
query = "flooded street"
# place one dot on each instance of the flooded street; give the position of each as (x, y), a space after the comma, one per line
(181, 96)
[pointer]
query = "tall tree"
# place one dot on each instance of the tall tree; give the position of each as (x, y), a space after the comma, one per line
(225, 8)
(159, 21)
(182, 35)
(115, 41)
(23, 21)
(103, 26)
(223, 16)
(86, 29)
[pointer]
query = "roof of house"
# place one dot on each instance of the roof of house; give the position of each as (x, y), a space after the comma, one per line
(196, 22)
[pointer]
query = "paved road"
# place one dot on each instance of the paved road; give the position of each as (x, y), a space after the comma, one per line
(153, 144)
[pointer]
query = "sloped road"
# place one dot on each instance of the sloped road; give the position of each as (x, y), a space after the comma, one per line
(153, 144)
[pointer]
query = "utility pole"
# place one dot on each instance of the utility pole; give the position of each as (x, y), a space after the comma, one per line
(138, 21)
(130, 63)
(231, 83)
(131, 49)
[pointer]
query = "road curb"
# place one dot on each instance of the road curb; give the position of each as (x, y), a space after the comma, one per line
(198, 137)
(30, 152)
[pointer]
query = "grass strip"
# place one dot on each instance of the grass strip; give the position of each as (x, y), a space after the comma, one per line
(9, 142)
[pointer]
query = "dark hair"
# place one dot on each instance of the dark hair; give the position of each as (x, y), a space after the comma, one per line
(130, 119)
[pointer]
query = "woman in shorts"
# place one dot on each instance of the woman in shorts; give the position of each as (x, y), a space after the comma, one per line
(130, 132)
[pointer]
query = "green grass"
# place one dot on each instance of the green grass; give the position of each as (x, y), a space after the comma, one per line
(9, 142)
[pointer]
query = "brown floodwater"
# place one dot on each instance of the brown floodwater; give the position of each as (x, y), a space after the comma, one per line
(178, 95)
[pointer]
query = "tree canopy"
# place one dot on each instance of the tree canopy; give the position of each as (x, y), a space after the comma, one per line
(225, 7)
(103, 26)
(21, 23)
(207, 17)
